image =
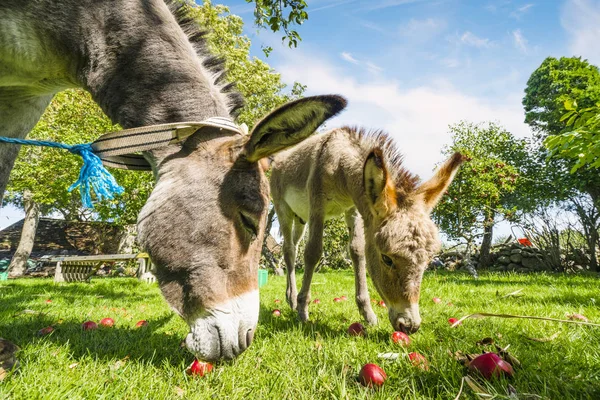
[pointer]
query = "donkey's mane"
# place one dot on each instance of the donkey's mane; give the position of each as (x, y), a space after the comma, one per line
(372, 139)
(215, 64)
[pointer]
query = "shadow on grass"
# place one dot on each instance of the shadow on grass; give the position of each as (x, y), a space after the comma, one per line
(144, 344)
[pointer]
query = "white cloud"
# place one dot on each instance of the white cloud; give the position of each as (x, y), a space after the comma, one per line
(373, 67)
(348, 57)
(519, 12)
(471, 39)
(580, 18)
(368, 65)
(422, 28)
(450, 62)
(520, 41)
(417, 117)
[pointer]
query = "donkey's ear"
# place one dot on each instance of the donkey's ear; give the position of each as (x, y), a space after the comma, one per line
(290, 124)
(432, 191)
(379, 186)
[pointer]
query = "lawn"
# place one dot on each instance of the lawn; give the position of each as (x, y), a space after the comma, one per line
(289, 360)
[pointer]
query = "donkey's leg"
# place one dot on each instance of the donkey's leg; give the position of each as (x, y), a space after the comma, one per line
(286, 227)
(312, 255)
(357, 253)
(18, 115)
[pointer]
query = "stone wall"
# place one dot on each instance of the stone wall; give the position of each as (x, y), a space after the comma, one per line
(518, 258)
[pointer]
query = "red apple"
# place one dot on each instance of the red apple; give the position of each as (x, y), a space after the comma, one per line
(48, 301)
(401, 338)
(199, 368)
(491, 365)
(276, 313)
(343, 298)
(108, 322)
(418, 360)
(452, 321)
(45, 331)
(141, 324)
(277, 301)
(356, 329)
(372, 375)
(436, 300)
(316, 301)
(89, 325)
(382, 304)
(337, 300)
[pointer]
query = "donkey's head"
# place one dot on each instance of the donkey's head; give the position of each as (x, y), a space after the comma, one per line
(204, 223)
(400, 236)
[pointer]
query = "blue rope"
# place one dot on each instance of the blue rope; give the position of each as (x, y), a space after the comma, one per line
(92, 175)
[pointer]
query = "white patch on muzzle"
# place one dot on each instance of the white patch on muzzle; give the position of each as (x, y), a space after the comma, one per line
(224, 331)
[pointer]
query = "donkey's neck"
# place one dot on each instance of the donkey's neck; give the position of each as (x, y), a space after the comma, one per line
(141, 68)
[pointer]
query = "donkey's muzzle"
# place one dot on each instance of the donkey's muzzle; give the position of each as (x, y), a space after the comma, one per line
(405, 317)
(224, 331)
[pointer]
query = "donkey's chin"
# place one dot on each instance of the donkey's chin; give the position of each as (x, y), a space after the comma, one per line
(405, 318)
(224, 331)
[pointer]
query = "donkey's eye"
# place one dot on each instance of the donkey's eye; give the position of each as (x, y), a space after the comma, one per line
(249, 225)
(387, 261)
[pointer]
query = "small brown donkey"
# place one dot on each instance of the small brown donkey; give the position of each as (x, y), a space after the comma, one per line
(359, 174)
(144, 65)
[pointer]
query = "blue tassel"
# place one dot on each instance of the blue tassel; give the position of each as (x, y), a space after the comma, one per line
(93, 175)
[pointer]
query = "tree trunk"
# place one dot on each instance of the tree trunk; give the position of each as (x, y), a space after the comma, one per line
(266, 253)
(18, 264)
(593, 240)
(485, 259)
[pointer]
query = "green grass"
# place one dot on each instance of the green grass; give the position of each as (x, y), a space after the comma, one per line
(289, 360)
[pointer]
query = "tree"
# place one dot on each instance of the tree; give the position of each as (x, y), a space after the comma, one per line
(73, 118)
(280, 15)
(483, 191)
(576, 82)
(554, 82)
(581, 141)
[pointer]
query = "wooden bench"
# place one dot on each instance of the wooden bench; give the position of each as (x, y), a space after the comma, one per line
(81, 268)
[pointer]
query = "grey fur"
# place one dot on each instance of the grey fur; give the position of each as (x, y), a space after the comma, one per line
(204, 221)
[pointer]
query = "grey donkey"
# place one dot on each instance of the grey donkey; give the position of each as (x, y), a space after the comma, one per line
(359, 174)
(204, 222)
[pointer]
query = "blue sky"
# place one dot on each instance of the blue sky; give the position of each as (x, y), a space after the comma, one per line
(413, 67)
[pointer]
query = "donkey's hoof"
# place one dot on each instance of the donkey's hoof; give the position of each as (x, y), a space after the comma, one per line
(371, 319)
(303, 316)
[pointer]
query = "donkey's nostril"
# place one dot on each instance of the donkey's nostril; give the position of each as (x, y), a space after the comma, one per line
(249, 337)
(407, 327)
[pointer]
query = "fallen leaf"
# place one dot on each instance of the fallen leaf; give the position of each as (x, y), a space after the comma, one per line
(577, 317)
(484, 341)
(179, 391)
(507, 356)
(388, 356)
(546, 339)
(74, 365)
(476, 388)
(3, 374)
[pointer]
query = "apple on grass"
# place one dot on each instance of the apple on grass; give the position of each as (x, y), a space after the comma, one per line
(356, 329)
(141, 324)
(490, 365)
(400, 338)
(89, 325)
(108, 322)
(337, 300)
(453, 321)
(418, 360)
(199, 368)
(316, 301)
(276, 313)
(371, 375)
(436, 300)
(45, 331)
